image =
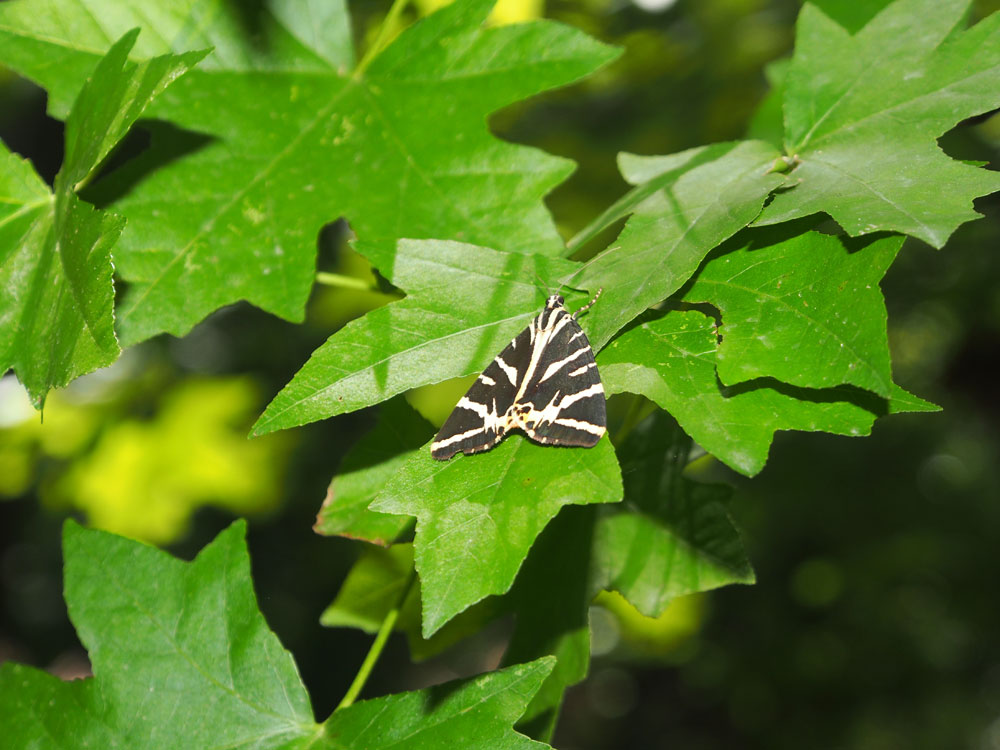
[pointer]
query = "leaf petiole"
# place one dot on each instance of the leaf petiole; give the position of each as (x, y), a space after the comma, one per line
(384, 631)
(639, 409)
(347, 282)
(384, 32)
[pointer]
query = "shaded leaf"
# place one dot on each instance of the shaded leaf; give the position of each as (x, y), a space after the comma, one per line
(806, 310)
(551, 601)
(670, 536)
(478, 516)
(374, 586)
(850, 14)
(400, 150)
(685, 204)
(863, 113)
(464, 304)
(397, 436)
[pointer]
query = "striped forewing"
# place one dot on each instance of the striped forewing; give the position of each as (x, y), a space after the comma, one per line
(545, 383)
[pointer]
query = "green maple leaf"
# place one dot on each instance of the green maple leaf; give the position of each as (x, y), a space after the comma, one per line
(672, 361)
(464, 304)
(683, 205)
(166, 639)
(477, 715)
(397, 436)
(862, 113)
(56, 293)
(806, 310)
(671, 536)
(372, 589)
(182, 658)
(400, 148)
(481, 514)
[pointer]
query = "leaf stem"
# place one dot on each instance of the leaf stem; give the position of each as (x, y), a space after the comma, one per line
(84, 182)
(388, 24)
(617, 210)
(347, 282)
(376, 650)
(638, 411)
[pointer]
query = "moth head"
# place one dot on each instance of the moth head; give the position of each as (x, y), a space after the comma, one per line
(554, 301)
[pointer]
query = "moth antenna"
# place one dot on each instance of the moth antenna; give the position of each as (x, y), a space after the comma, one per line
(541, 283)
(588, 305)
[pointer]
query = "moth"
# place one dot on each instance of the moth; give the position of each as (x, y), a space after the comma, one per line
(545, 383)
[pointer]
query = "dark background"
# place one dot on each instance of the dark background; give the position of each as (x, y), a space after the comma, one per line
(874, 623)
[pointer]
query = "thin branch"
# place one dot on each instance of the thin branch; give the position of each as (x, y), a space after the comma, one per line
(376, 650)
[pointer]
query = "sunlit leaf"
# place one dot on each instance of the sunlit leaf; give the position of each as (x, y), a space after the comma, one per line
(169, 639)
(684, 205)
(863, 113)
(56, 293)
(480, 514)
(672, 361)
(806, 310)
(464, 304)
(296, 140)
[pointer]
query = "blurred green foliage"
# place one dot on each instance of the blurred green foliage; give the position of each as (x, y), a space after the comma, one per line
(143, 478)
(874, 623)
